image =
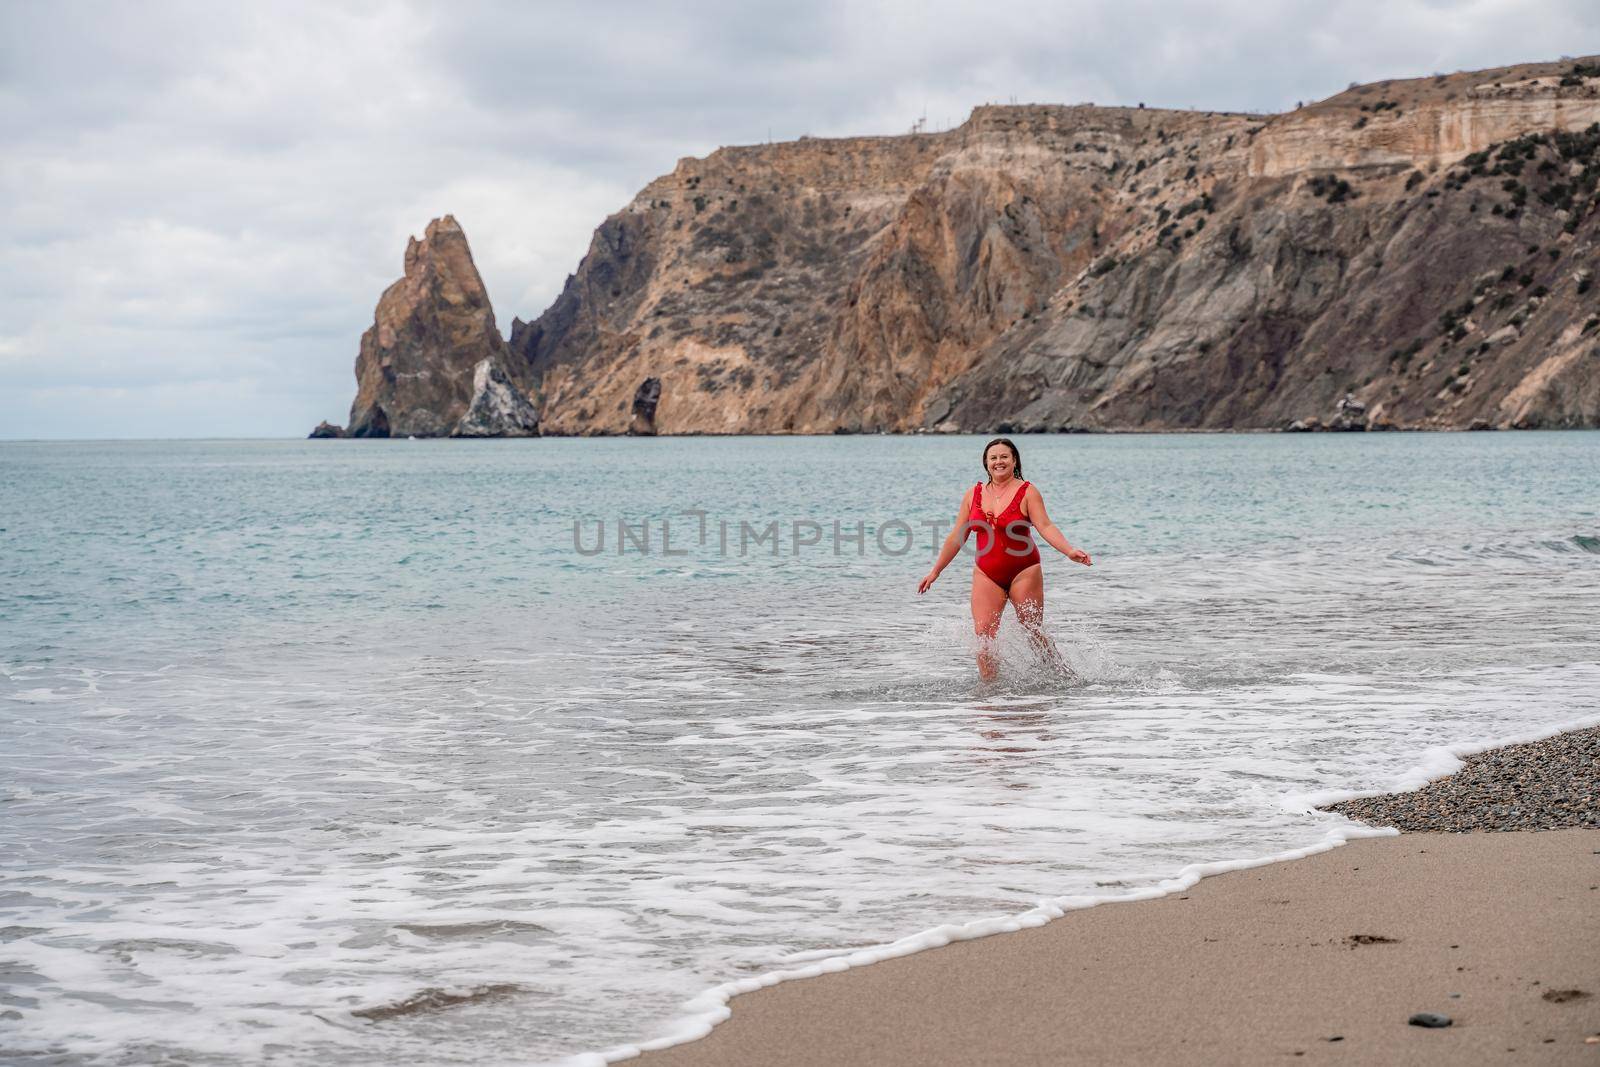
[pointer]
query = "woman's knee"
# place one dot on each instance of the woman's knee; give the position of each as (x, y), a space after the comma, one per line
(1030, 613)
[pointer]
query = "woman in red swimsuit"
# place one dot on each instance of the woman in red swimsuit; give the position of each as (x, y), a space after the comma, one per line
(1008, 561)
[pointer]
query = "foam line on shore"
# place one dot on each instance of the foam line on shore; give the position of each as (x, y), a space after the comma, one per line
(711, 1007)
(1439, 762)
(705, 1011)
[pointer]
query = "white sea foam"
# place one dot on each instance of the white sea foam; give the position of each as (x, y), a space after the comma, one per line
(705, 1011)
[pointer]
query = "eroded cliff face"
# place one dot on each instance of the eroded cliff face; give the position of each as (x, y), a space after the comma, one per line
(1446, 292)
(724, 280)
(433, 337)
(1405, 243)
(1427, 121)
(1421, 251)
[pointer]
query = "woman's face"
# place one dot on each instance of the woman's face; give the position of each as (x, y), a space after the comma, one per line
(1000, 462)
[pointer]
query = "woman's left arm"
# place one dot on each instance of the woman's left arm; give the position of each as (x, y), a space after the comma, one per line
(1047, 529)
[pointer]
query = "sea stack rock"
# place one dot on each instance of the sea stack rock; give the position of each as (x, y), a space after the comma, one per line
(418, 370)
(325, 429)
(498, 408)
(645, 399)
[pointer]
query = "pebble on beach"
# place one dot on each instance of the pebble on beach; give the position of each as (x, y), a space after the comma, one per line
(1541, 785)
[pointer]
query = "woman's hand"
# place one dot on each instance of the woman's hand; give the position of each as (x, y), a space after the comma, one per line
(928, 580)
(1078, 555)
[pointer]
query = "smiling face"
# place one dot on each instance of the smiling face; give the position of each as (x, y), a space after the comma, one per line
(1001, 461)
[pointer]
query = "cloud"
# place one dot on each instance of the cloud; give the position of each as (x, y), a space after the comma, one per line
(201, 203)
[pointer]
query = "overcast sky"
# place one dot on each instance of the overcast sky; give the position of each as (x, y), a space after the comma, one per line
(201, 202)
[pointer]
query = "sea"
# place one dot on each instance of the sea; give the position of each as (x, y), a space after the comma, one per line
(533, 751)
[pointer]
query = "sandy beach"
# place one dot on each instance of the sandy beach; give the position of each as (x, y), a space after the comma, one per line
(1326, 957)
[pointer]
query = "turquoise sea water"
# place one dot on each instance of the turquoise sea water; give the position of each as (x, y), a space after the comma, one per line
(348, 752)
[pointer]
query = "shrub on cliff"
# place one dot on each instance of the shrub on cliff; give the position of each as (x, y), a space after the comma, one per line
(1335, 188)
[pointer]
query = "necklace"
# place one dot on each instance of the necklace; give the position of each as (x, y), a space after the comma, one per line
(989, 513)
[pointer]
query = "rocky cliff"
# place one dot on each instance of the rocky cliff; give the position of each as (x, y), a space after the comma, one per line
(1423, 248)
(433, 362)
(1414, 253)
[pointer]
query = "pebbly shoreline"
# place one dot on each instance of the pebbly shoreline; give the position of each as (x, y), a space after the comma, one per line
(1540, 785)
(1343, 953)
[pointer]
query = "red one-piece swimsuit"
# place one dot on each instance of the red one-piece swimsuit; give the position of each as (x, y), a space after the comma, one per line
(1002, 553)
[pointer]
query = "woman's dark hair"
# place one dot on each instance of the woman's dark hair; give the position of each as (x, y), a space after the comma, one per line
(1016, 454)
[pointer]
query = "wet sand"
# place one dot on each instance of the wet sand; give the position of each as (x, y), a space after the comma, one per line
(1252, 966)
(1323, 958)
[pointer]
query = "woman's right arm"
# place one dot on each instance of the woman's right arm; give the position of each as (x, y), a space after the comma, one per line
(952, 543)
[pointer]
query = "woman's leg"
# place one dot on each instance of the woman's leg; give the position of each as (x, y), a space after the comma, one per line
(1027, 597)
(988, 604)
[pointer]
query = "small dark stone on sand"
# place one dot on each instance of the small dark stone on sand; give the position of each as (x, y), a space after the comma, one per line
(1431, 1019)
(1370, 939)
(1336, 1037)
(1561, 996)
